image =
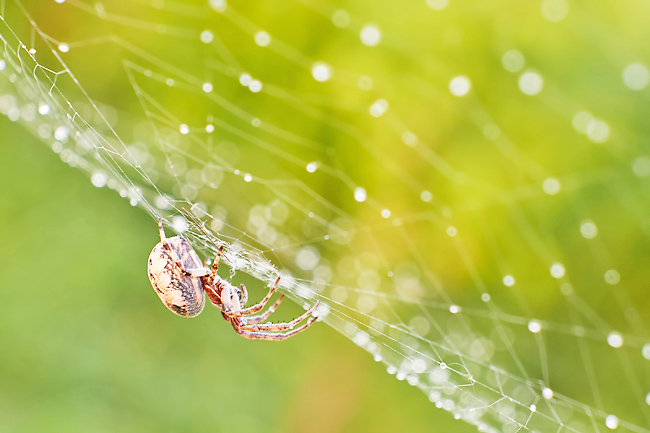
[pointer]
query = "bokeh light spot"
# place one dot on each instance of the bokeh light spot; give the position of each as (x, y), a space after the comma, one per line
(321, 71)
(370, 35)
(636, 76)
(557, 270)
(615, 339)
(531, 83)
(513, 61)
(460, 85)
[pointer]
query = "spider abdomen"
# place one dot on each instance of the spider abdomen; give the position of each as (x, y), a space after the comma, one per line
(181, 293)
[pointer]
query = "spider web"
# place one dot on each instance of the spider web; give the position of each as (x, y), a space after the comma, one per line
(468, 200)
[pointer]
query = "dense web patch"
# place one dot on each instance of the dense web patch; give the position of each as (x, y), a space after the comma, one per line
(481, 227)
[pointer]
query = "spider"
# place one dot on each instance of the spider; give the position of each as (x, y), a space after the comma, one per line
(180, 280)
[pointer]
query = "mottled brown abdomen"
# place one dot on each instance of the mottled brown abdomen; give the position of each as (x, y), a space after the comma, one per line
(181, 293)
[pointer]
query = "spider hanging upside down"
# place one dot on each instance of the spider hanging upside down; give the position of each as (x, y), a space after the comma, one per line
(179, 279)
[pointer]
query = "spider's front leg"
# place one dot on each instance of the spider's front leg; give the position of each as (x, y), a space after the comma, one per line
(255, 308)
(261, 317)
(243, 296)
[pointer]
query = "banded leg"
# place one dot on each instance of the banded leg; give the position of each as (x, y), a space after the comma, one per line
(244, 295)
(215, 264)
(273, 336)
(260, 317)
(213, 296)
(280, 326)
(255, 308)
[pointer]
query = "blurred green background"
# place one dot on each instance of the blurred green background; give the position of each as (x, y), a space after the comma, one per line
(88, 347)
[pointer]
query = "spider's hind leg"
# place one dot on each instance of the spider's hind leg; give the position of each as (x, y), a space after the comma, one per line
(273, 336)
(280, 326)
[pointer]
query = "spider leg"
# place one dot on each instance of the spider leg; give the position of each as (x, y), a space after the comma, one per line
(215, 264)
(200, 272)
(273, 336)
(244, 295)
(280, 326)
(260, 317)
(255, 308)
(213, 296)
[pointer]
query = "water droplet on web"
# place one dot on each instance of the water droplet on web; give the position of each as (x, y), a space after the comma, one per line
(262, 38)
(378, 108)
(555, 10)
(360, 194)
(312, 167)
(641, 166)
(409, 138)
(513, 61)
(588, 229)
(636, 76)
(184, 129)
(509, 280)
(218, 5)
(64, 48)
(547, 393)
(248, 177)
(321, 71)
(551, 186)
(531, 83)
(452, 231)
(385, 213)
(307, 258)
(437, 5)
(43, 109)
(454, 309)
(557, 270)
(341, 18)
(207, 87)
(255, 86)
(426, 196)
(611, 421)
(615, 339)
(207, 36)
(535, 326)
(364, 83)
(61, 134)
(3, 65)
(361, 338)
(646, 351)
(245, 79)
(99, 179)
(597, 131)
(179, 223)
(460, 86)
(612, 277)
(370, 35)
(491, 131)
